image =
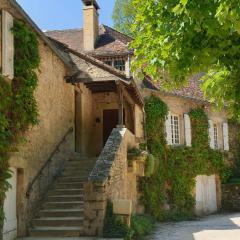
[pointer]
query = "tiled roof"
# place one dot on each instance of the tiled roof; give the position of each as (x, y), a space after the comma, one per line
(73, 55)
(113, 43)
(192, 90)
(110, 42)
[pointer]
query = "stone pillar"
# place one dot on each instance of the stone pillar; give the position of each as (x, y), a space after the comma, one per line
(95, 201)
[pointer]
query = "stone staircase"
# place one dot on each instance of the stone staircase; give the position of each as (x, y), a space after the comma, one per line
(61, 213)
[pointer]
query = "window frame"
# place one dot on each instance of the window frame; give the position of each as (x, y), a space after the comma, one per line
(215, 135)
(121, 67)
(175, 129)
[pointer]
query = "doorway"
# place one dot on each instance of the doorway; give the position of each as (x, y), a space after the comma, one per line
(78, 122)
(206, 195)
(10, 209)
(110, 121)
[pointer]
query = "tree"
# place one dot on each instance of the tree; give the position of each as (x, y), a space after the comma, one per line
(176, 39)
(123, 16)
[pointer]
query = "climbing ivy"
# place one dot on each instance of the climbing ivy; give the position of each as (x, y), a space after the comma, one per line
(173, 180)
(18, 107)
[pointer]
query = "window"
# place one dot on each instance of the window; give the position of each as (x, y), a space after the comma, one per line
(119, 64)
(215, 136)
(108, 62)
(175, 130)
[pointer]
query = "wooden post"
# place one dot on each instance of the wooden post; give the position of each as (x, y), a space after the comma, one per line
(121, 108)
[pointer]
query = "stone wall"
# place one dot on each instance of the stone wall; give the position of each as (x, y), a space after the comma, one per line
(51, 170)
(55, 101)
(180, 105)
(108, 180)
(231, 197)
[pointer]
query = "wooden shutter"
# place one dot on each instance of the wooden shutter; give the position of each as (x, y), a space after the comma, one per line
(7, 45)
(188, 132)
(225, 137)
(168, 129)
(211, 134)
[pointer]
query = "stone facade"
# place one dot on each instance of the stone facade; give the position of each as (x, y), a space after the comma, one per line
(231, 197)
(179, 106)
(55, 100)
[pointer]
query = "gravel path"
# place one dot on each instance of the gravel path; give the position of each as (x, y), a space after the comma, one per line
(215, 227)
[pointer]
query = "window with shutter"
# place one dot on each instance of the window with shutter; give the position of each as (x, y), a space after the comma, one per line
(215, 136)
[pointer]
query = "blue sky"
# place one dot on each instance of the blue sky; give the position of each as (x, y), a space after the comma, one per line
(62, 14)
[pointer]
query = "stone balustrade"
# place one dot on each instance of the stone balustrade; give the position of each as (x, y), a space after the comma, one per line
(109, 180)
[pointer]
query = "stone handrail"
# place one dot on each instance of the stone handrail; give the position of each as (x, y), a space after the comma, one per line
(108, 180)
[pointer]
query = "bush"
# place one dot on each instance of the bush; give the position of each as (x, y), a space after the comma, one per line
(113, 227)
(150, 165)
(141, 225)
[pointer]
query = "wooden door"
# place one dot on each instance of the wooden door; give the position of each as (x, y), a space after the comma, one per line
(110, 121)
(10, 209)
(206, 195)
(78, 121)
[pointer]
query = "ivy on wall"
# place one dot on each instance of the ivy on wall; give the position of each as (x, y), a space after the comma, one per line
(168, 193)
(18, 107)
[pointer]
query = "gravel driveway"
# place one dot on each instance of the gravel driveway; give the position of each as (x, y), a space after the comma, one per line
(215, 227)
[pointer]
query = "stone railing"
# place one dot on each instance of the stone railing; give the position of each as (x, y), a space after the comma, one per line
(48, 173)
(108, 180)
(231, 197)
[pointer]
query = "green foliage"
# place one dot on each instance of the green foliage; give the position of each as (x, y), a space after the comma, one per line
(26, 61)
(123, 16)
(141, 225)
(174, 179)
(18, 108)
(180, 38)
(150, 165)
(113, 227)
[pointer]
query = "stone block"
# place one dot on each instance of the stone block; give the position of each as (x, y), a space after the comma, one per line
(122, 207)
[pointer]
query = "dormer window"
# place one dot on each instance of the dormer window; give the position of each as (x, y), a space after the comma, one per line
(120, 65)
(108, 62)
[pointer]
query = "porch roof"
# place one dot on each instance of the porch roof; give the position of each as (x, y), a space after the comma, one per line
(112, 86)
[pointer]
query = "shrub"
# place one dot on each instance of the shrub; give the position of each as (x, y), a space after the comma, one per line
(141, 225)
(113, 226)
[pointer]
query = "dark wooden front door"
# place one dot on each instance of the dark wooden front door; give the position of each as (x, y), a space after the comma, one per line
(110, 121)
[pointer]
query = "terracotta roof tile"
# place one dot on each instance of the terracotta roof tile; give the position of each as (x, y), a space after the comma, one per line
(110, 41)
(191, 90)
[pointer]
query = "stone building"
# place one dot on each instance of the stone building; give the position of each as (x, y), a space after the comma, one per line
(178, 132)
(80, 101)
(91, 114)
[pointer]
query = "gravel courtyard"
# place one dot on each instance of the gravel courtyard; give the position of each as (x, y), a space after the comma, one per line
(215, 227)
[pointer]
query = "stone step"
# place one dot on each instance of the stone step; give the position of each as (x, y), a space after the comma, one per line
(55, 232)
(67, 238)
(61, 213)
(78, 168)
(65, 198)
(69, 191)
(83, 160)
(63, 205)
(58, 222)
(63, 179)
(76, 185)
(75, 174)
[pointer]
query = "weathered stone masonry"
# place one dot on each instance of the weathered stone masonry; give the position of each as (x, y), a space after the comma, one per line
(108, 180)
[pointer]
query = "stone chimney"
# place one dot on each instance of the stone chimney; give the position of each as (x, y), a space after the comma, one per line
(90, 24)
